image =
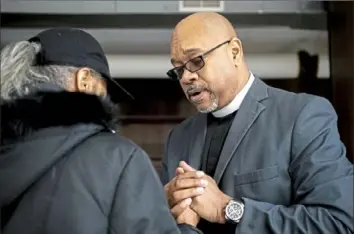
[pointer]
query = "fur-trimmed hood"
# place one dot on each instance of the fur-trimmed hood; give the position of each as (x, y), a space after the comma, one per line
(51, 109)
(41, 129)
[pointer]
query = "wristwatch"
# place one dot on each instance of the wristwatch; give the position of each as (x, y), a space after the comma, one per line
(234, 211)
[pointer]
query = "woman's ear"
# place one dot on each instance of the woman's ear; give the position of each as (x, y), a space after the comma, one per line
(84, 80)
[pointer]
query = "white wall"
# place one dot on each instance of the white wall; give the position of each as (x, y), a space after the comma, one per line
(276, 66)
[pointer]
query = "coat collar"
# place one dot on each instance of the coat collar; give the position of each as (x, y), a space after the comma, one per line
(42, 110)
(235, 104)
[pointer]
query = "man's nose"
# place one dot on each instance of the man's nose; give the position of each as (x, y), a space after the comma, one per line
(188, 77)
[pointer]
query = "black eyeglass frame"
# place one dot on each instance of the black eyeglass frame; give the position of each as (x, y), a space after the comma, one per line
(173, 73)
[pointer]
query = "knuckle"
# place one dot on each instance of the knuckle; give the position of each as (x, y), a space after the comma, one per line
(172, 182)
(189, 173)
(179, 177)
(178, 184)
(175, 195)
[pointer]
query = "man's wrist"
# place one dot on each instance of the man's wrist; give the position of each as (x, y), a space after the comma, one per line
(221, 210)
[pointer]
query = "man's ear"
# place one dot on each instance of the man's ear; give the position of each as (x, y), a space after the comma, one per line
(84, 81)
(237, 51)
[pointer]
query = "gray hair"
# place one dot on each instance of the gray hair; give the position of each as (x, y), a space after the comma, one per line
(18, 72)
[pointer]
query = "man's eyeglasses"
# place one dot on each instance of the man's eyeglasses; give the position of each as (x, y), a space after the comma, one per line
(192, 65)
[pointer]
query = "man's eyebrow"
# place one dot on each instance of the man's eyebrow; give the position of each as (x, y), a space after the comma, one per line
(191, 51)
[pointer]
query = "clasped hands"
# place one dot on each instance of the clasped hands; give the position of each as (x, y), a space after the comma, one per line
(192, 195)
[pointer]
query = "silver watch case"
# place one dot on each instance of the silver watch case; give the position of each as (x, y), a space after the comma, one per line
(234, 211)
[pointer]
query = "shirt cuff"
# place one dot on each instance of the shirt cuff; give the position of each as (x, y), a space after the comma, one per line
(186, 229)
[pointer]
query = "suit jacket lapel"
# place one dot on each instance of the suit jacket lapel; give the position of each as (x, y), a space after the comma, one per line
(245, 117)
(197, 143)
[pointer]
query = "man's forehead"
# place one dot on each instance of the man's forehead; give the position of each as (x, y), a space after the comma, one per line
(184, 46)
(190, 39)
(185, 50)
(192, 47)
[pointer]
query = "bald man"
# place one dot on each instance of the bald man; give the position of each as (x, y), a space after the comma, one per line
(267, 160)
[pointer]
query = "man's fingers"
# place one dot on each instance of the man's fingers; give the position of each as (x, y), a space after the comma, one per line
(190, 183)
(186, 167)
(175, 184)
(179, 171)
(178, 209)
(190, 174)
(183, 194)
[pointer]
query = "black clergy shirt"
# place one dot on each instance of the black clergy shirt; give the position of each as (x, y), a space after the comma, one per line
(217, 131)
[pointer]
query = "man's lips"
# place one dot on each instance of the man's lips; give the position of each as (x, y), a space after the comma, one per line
(197, 96)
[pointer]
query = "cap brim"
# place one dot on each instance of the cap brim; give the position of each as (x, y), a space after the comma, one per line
(116, 92)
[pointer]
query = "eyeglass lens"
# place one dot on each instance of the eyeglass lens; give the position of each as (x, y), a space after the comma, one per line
(192, 65)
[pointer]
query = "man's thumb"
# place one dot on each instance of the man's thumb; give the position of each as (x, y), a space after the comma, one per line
(186, 167)
(179, 171)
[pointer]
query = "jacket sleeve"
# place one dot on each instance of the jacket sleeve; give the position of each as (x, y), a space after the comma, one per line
(322, 179)
(140, 205)
(164, 172)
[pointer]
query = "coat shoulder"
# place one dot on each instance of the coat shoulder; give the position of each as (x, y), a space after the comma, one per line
(110, 151)
(280, 96)
(292, 102)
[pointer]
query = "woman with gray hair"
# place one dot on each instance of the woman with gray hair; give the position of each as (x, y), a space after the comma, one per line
(19, 76)
(62, 168)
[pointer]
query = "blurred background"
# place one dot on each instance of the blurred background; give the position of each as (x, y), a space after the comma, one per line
(300, 46)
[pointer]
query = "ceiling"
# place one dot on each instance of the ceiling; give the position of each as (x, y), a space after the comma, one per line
(272, 32)
(156, 40)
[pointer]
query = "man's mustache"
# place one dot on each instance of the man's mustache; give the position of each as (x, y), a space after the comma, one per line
(195, 88)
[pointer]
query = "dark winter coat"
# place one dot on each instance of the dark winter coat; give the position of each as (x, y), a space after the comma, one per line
(63, 171)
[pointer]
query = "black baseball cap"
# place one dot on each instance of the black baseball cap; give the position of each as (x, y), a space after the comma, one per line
(75, 47)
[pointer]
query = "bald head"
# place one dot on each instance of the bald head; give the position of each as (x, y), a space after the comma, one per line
(208, 60)
(209, 27)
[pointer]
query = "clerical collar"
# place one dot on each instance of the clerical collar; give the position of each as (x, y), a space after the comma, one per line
(235, 104)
